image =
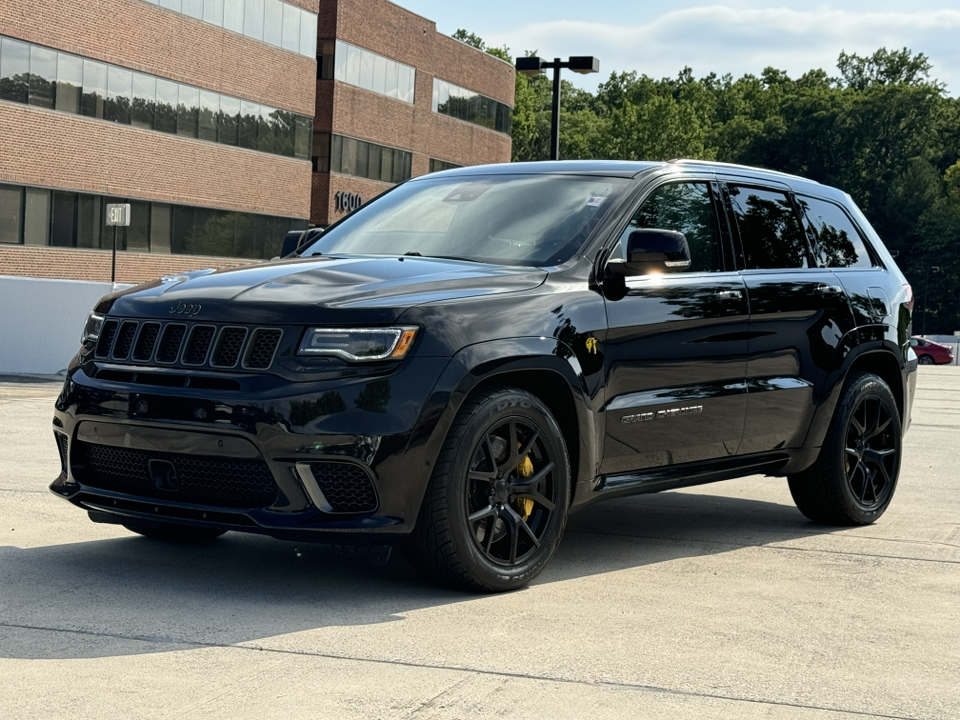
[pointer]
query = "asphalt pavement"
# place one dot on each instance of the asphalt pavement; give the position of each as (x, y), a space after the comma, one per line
(716, 602)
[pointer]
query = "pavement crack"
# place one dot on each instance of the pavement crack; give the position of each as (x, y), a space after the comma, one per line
(432, 701)
(619, 685)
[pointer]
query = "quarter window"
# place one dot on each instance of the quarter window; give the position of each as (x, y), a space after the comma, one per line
(770, 231)
(839, 244)
(685, 208)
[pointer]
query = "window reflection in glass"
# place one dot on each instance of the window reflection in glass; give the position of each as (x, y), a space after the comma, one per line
(36, 217)
(373, 72)
(144, 100)
(63, 227)
(770, 231)
(119, 91)
(233, 15)
(253, 19)
(138, 233)
(43, 76)
(94, 88)
(11, 213)
(213, 12)
(466, 105)
(89, 222)
(249, 124)
(229, 120)
(308, 34)
(69, 83)
(188, 108)
(193, 8)
(839, 244)
(302, 137)
(291, 28)
(273, 22)
(207, 122)
(160, 227)
(168, 94)
(14, 70)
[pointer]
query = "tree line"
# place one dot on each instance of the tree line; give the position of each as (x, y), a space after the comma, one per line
(882, 129)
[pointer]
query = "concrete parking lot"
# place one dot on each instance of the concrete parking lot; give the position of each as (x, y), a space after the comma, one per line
(716, 602)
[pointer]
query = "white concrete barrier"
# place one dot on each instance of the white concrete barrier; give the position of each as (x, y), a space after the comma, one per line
(41, 321)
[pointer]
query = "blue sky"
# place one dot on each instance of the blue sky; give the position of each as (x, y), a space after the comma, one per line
(659, 38)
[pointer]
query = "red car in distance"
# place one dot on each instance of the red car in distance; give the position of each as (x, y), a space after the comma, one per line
(931, 353)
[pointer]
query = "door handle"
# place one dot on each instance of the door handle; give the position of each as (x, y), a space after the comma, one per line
(827, 290)
(728, 294)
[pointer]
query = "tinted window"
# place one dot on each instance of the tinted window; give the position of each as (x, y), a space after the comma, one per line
(11, 213)
(94, 88)
(685, 208)
(119, 90)
(507, 220)
(188, 108)
(43, 75)
(36, 217)
(69, 82)
(770, 231)
(168, 93)
(839, 244)
(144, 100)
(14, 70)
(209, 108)
(229, 120)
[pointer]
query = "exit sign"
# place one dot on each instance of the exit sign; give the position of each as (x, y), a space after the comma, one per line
(118, 214)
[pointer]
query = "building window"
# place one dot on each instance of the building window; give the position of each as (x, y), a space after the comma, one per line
(437, 165)
(49, 78)
(367, 70)
(271, 21)
(61, 218)
(369, 160)
(466, 105)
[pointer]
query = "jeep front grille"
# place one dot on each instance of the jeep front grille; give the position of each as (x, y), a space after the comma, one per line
(187, 344)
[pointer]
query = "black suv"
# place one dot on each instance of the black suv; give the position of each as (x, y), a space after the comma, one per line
(458, 364)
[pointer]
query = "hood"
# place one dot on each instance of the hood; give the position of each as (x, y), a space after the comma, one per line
(335, 290)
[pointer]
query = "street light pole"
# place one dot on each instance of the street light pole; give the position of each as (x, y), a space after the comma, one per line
(531, 66)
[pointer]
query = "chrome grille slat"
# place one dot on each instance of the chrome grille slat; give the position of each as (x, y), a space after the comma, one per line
(188, 344)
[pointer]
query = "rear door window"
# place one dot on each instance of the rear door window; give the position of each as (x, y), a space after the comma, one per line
(839, 244)
(771, 233)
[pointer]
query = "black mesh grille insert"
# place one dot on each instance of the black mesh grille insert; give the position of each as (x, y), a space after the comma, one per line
(347, 488)
(262, 347)
(229, 346)
(125, 335)
(198, 345)
(148, 338)
(107, 332)
(169, 348)
(201, 479)
(63, 448)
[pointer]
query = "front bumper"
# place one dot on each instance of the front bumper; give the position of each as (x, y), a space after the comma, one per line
(340, 460)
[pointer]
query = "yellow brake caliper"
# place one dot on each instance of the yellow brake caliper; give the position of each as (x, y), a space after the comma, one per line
(524, 469)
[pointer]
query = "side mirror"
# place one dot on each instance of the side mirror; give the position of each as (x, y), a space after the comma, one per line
(652, 251)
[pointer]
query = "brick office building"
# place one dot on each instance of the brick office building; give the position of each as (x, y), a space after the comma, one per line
(200, 114)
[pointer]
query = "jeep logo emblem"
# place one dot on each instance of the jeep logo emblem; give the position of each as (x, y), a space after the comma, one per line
(184, 309)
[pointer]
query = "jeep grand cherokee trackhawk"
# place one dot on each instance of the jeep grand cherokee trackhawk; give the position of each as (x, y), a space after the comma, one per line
(460, 363)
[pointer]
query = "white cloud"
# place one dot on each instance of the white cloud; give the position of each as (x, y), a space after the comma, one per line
(724, 39)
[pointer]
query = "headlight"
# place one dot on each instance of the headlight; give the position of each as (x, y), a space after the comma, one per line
(359, 344)
(91, 330)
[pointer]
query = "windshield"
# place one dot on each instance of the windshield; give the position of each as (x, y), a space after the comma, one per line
(536, 220)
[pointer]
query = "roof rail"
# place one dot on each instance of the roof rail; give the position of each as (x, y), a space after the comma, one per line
(735, 166)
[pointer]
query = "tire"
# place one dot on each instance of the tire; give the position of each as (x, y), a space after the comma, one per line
(854, 478)
(496, 505)
(170, 532)
(926, 360)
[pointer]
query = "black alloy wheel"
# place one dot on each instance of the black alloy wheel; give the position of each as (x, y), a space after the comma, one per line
(873, 454)
(496, 505)
(853, 480)
(926, 359)
(510, 492)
